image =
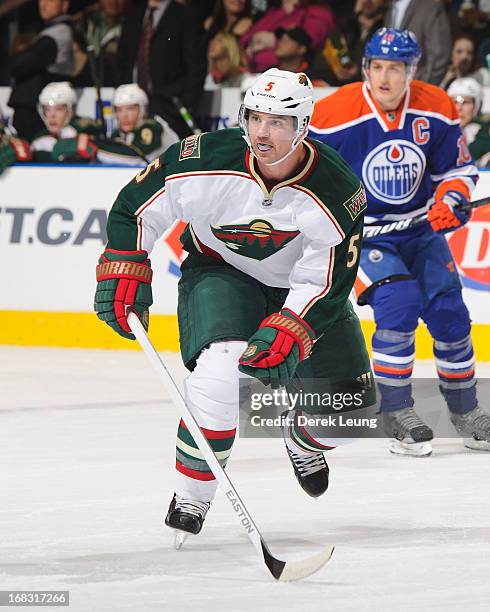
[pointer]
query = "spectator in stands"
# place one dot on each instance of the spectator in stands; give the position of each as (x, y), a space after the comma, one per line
(225, 63)
(474, 19)
(49, 57)
(137, 138)
(462, 60)
(467, 94)
(65, 137)
(230, 16)
(428, 20)
(293, 49)
(162, 48)
(260, 41)
(339, 61)
(99, 32)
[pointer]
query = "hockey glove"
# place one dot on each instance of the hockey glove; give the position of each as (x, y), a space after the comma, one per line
(123, 284)
(12, 151)
(444, 215)
(74, 149)
(276, 348)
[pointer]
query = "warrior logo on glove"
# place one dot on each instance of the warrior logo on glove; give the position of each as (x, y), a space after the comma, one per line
(123, 284)
(282, 341)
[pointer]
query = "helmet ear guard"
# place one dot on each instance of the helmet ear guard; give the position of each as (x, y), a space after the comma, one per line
(279, 92)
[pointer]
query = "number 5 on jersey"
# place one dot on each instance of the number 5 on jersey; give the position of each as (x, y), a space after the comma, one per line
(353, 251)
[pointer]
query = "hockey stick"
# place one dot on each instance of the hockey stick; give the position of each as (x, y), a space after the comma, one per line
(281, 570)
(404, 224)
(186, 116)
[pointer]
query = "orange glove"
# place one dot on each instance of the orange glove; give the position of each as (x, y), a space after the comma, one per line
(446, 215)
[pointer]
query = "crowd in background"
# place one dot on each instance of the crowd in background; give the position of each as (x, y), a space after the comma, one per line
(174, 49)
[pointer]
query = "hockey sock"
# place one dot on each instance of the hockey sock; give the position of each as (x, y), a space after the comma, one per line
(189, 459)
(455, 362)
(305, 439)
(393, 357)
(211, 394)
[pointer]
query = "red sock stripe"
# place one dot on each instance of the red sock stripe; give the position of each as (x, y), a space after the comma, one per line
(467, 374)
(195, 474)
(212, 434)
(313, 441)
(400, 371)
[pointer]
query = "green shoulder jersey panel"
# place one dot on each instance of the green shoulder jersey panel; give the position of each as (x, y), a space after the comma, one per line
(481, 144)
(221, 150)
(334, 182)
(204, 152)
(337, 186)
(146, 139)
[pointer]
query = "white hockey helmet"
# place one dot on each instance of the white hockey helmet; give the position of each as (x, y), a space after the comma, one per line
(131, 94)
(280, 92)
(467, 87)
(58, 93)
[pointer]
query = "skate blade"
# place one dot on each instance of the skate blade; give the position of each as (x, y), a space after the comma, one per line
(410, 449)
(478, 445)
(179, 538)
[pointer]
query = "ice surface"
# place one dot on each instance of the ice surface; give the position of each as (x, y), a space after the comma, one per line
(86, 456)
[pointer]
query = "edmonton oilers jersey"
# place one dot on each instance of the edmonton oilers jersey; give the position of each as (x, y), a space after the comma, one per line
(401, 157)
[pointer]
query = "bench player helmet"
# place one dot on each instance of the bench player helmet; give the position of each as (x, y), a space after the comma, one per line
(467, 87)
(279, 92)
(131, 94)
(393, 45)
(54, 94)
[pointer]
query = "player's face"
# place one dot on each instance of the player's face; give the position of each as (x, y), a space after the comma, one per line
(57, 116)
(49, 9)
(270, 135)
(465, 106)
(127, 117)
(388, 81)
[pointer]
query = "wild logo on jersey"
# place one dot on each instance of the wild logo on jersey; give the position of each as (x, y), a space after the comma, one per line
(257, 239)
(393, 171)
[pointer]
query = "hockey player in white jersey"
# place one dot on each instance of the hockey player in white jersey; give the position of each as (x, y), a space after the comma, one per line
(274, 227)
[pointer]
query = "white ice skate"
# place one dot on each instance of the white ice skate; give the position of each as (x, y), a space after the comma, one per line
(185, 516)
(411, 436)
(474, 427)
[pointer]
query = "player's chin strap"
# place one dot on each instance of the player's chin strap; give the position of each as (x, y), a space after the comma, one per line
(294, 145)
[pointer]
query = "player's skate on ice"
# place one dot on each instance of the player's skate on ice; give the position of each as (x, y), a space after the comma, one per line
(473, 427)
(186, 516)
(310, 467)
(410, 435)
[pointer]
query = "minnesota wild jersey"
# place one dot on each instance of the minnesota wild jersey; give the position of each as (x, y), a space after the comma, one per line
(44, 145)
(145, 143)
(303, 234)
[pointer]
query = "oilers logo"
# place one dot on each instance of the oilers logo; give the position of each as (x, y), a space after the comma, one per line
(392, 172)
